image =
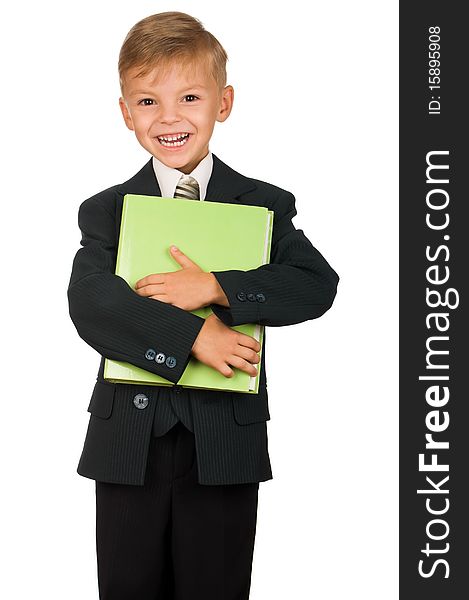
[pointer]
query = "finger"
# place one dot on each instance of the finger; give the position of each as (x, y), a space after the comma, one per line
(225, 370)
(248, 354)
(181, 258)
(242, 364)
(153, 278)
(249, 342)
(149, 290)
(161, 298)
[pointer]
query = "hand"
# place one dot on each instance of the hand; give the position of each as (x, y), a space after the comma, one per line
(218, 346)
(189, 288)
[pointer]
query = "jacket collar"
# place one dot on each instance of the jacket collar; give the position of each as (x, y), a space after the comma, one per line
(225, 184)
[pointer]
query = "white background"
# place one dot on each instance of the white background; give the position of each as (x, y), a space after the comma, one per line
(315, 98)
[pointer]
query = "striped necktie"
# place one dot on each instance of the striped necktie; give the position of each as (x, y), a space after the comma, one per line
(187, 188)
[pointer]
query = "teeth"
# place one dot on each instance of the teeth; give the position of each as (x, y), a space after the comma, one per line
(173, 138)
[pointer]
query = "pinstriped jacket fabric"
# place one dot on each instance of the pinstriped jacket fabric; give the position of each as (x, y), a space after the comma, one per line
(230, 428)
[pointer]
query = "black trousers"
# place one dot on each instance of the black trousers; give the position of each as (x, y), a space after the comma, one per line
(172, 538)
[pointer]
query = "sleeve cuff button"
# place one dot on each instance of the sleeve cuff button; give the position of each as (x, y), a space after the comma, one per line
(171, 362)
(160, 358)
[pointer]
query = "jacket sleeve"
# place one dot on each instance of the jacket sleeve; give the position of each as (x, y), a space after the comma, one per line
(111, 317)
(297, 285)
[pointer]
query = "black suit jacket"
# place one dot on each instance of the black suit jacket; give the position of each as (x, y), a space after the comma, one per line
(230, 428)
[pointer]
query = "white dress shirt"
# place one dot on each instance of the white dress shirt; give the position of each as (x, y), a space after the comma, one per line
(168, 178)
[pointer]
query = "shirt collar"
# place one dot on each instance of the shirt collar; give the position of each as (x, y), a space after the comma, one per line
(168, 177)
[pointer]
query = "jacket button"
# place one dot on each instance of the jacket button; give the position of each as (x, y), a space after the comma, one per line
(171, 362)
(260, 297)
(251, 297)
(160, 358)
(241, 296)
(177, 389)
(141, 401)
(150, 354)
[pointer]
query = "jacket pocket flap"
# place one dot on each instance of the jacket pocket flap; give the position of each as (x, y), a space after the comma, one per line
(250, 408)
(102, 400)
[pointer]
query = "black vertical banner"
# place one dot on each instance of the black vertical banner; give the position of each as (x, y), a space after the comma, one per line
(434, 270)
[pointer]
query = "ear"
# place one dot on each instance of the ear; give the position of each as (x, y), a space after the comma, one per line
(226, 103)
(126, 114)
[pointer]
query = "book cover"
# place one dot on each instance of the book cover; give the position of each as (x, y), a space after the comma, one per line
(217, 236)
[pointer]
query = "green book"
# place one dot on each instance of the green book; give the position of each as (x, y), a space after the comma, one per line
(218, 236)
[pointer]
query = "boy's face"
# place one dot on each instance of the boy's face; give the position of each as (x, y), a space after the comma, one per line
(183, 102)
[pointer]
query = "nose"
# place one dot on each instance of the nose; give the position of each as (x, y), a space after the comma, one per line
(169, 113)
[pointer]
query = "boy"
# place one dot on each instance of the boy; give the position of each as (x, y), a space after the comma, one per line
(177, 471)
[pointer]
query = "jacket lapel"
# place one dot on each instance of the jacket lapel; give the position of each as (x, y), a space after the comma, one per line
(225, 184)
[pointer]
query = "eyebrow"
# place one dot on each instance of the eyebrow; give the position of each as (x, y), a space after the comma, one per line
(190, 87)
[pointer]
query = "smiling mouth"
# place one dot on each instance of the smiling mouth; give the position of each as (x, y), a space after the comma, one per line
(172, 141)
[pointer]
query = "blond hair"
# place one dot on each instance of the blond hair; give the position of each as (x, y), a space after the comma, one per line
(164, 38)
